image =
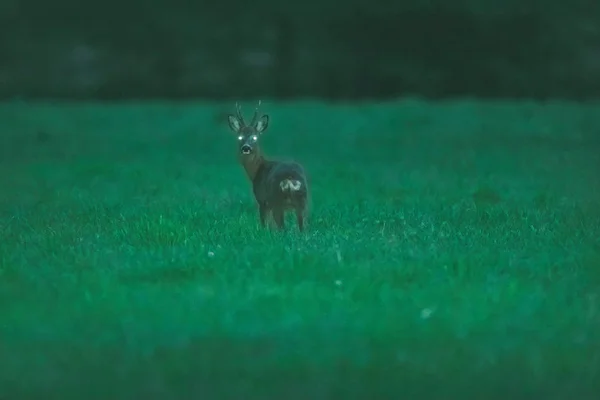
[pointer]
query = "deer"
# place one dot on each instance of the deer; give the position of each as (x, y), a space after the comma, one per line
(278, 186)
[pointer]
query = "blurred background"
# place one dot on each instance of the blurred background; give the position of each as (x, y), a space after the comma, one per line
(354, 49)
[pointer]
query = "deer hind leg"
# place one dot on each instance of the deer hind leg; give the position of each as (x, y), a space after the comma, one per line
(300, 218)
(278, 216)
(300, 209)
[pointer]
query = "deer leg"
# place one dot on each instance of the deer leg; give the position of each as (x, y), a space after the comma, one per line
(263, 212)
(278, 217)
(300, 218)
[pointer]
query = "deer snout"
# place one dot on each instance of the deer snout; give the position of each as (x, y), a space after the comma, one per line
(246, 149)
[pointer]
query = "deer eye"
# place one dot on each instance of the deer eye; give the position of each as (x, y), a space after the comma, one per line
(255, 138)
(240, 137)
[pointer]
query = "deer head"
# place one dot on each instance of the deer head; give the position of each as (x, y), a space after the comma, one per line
(248, 134)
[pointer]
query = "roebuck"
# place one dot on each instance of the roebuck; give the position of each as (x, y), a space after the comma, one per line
(278, 186)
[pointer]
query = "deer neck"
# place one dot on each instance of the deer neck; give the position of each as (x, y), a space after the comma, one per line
(252, 163)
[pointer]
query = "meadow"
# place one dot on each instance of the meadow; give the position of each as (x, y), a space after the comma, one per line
(452, 251)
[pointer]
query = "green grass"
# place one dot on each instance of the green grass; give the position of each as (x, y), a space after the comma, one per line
(453, 250)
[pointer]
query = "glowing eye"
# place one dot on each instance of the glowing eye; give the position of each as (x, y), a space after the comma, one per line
(255, 138)
(240, 137)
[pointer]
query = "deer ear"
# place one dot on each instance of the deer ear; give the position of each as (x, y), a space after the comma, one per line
(234, 123)
(262, 124)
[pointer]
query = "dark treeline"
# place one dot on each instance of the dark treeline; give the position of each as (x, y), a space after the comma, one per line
(355, 49)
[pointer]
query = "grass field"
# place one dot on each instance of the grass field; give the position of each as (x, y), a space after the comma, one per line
(452, 251)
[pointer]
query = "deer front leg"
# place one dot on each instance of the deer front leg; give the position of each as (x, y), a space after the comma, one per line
(278, 217)
(263, 212)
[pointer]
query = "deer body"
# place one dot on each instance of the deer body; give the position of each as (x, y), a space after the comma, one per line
(278, 186)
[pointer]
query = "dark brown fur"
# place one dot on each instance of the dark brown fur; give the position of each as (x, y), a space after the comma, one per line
(278, 186)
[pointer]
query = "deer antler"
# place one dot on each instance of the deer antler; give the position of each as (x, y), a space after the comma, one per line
(255, 117)
(238, 111)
